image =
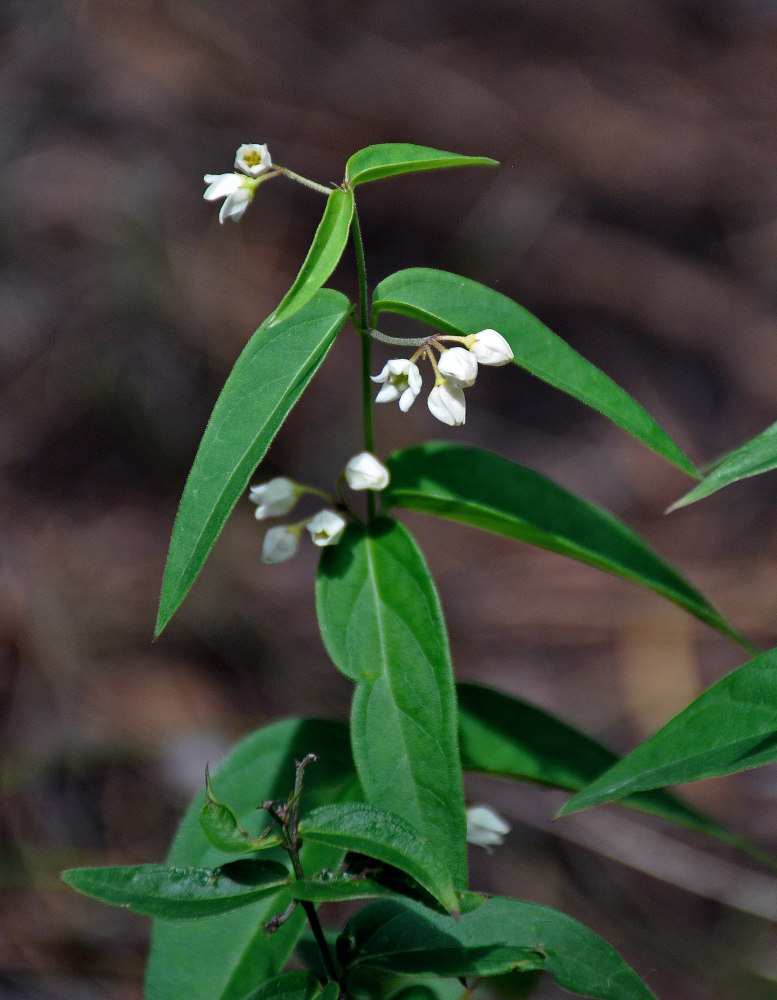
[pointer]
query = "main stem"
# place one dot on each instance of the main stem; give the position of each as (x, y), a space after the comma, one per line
(364, 320)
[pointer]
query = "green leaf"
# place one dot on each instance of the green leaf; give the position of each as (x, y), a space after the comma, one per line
(221, 827)
(731, 727)
(509, 738)
(267, 380)
(460, 307)
(222, 958)
(489, 492)
(323, 257)
(290, 986)
(755, 456)
(178, 893)
(337, 888)
(357, 826)
(391, 158)
(496, 936)
(382, 625)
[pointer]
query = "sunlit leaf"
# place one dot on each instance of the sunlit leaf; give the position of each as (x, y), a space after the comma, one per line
(460, 306)
(391, 158)
(269, 377)
(731, 727)
(755, 456)
(382, 624)
(323, 257)
(489, 492)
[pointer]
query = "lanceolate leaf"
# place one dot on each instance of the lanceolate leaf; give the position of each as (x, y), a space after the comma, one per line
(356, 826)
(731, 727)
(757, 455)
(266, 382)
(323, 257)
(461, 306)
(382, 624)
(509, 738)
(486, 491)
(181, 893)
(222, 958)
(495, 936)
(391, 158)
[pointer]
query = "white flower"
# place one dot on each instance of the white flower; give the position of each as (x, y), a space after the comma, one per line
(485, 827)
(280, 543)
(237, 191)
(253, 158)
(459, 367)
(402, 381)
(275, 498)
(365, 472)
(490, 348)
(446, 402)
(326, 527)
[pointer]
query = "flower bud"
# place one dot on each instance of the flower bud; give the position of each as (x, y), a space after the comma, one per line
(401, 380)
(275, 498)
(326, 527)
(458, 366)
(365, 472)
(485, 827)
(446, 402)
(280, 543)
(490, 348)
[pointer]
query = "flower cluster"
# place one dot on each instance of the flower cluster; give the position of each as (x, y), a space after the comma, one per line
(455, 371)
(280, 495)
(253, 162)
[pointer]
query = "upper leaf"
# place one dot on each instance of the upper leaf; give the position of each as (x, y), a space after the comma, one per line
(181, 893)
(487, 491)
(356, 826)
(731, 727)
(323, 257)
(390, 158)
(755, 456)
(505, 736)
(494, 936)
(382, 624)
(267, 380)
(460, 306)
(222, 958)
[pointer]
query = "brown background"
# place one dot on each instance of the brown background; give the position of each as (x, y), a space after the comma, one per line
(635, 212)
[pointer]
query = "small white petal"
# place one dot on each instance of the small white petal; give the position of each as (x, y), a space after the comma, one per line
(253, 158)
(388, 393)
(220, 185)
(459, 367)
(280, 544)
(235, 205)
(446, 402)
(485, 827)
(491, 348)
(326, 527)
(365, 472)
(275, 498)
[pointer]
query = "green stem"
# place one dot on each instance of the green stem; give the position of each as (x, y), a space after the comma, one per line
(364, 331)
(303, 180)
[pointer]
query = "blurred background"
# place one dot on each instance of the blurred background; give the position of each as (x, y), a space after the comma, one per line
(635, 212)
